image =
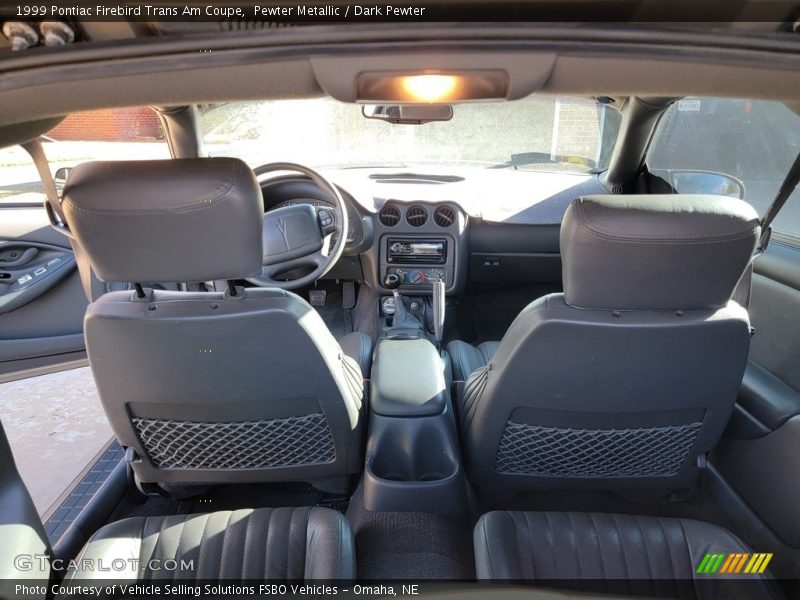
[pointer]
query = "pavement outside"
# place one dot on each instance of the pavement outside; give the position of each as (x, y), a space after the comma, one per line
(56, 426)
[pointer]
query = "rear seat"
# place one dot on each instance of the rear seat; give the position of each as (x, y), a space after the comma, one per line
(557, 548)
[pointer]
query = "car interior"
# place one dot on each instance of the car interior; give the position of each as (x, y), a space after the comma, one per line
(437, 347)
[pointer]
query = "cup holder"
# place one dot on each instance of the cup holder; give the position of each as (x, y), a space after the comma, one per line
(392, 477)
(432, 477)
(413, 464)
(413, 454)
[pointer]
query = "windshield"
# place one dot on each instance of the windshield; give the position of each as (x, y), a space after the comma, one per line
(556, 133)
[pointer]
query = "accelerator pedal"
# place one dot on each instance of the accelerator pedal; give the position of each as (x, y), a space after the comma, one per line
(348, 295)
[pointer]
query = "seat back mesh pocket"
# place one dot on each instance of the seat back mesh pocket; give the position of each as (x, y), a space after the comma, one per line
(284, 442)
(593, 453)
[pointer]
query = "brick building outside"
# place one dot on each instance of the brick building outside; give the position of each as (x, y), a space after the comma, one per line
(118, 125)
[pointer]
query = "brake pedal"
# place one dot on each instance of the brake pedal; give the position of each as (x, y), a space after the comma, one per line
(348, 295)
(317, 297)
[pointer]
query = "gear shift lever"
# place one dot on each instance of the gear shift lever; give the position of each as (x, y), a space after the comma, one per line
(401, 317)
(400, 312)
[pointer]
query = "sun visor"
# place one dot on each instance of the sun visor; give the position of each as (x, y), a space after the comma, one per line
(19, 133)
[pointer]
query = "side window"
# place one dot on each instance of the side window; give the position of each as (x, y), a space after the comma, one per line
(19, 179)
(119, 134)
(754, 141)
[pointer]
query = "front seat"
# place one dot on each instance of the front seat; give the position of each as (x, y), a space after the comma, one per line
(207, 387)
(641, 556)
(629, 377)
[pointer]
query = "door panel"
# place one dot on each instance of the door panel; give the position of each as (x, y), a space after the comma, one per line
(758, 454)
(42, 302)
(765, 473)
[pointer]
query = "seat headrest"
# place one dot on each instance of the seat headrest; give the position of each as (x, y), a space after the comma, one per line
(652, 252)
(186, 220)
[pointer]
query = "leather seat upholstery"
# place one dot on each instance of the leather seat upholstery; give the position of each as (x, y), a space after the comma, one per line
(630, 375)
(208, 387)
(467, 358)
(22, 530)
(358, 346)
(647, 556)
(262, 544)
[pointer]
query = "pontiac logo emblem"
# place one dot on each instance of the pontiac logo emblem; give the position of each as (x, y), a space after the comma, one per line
(281, 225)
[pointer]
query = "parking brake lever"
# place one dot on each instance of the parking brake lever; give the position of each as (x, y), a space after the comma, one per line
(438, 311)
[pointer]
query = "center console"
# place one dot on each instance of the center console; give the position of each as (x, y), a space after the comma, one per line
(418, 261)
(419, 242)
(413, 458)
(412, 265)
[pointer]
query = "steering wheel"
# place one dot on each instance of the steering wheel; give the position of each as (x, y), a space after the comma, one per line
(299, 236)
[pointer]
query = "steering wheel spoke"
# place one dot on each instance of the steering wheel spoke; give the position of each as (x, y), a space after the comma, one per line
(301, 235)
(327, 223)
(274, 270)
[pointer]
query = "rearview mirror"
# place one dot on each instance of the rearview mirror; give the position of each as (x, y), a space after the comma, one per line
(60, 178)
(706, 182)
(408, 114)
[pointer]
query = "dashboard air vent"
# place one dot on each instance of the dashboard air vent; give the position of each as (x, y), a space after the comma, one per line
(416, 215)
(389, 215)
(444, 216)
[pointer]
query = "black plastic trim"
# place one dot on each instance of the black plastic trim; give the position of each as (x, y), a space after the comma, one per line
(781, 263)
(767, 397)
(95, 513)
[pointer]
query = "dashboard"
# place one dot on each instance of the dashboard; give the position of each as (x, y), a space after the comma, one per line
(417, 241)
(486, 226)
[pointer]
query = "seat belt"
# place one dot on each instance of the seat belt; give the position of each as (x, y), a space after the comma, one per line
(787, 189)
(56, 216)
(743, 290)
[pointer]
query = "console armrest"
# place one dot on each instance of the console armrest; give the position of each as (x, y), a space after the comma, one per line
(407, 379)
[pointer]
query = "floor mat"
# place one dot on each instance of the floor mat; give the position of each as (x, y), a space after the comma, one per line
(486, 311)
(338, 320)
(232, 497)
(409, 545)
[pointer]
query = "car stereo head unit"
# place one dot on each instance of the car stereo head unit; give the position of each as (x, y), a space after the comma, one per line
(427, 251)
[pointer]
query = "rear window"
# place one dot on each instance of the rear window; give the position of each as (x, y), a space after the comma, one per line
(119, 134)
(755, 141)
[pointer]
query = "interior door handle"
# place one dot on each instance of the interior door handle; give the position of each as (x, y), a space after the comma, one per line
(20, 260)
(30, 286)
